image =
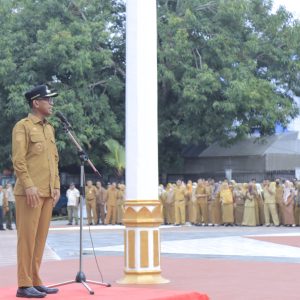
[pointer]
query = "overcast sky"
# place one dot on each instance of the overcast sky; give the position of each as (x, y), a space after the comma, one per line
(291, 5)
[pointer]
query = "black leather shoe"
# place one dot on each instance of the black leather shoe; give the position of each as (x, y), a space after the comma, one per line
(29, 292)
(47, 290)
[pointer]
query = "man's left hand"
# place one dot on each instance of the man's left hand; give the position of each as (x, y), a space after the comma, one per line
(56, 195)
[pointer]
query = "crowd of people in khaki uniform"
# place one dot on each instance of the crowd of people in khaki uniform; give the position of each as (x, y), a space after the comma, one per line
(229, 203)
(104, 206)
(206, 203)
(203, 203)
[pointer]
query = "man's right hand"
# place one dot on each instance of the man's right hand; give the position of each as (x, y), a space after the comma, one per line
(33, 199)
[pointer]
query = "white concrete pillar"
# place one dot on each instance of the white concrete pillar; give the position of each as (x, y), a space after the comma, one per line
(142, 215)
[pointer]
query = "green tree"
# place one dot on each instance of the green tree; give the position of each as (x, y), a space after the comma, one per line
(77, 47)
(116, 157)
(226, 69)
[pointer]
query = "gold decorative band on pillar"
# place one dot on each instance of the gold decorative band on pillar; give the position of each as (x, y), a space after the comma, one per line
(142, 242)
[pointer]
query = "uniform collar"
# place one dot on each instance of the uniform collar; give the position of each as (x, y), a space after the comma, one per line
(36, 120)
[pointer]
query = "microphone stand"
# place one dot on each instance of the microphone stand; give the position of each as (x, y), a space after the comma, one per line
(80, 276)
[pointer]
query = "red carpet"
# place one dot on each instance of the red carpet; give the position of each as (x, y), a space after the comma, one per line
(77, 291)
(220, 279)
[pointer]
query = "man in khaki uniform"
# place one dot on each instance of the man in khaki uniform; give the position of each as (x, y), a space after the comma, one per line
(269, 190)
(90, 197)
(188, 201)
(297, 203)
(37, 190)
(194, 205)
(279, 200)
(3, 206)
(162, 199)
(100, 202)
(179, 200)
(209, 184)
(11, 206)
(202, 207)
(120, 203)
(170, 206)
(112, 196)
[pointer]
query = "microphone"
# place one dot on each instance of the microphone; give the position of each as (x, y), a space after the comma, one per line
(63, 119)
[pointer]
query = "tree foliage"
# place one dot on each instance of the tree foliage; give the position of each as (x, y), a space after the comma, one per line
(116, 157)
(78, 48)
(226, 69)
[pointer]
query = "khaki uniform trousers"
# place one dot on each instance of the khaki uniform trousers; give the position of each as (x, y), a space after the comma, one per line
(202, 209)
(297, 215)
(164, 212)
(187, 210)
(170, 213)
(32, 229)
(100, 212)
(120, 213)
(261, 211)
(111, 215)
(193, 212)
(210, 211)
(180, 212)
(270, 209)
(91, 208)
(191, 218)
(279, 208)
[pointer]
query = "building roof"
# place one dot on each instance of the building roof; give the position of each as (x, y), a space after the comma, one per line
(283, 143)
(193, 150)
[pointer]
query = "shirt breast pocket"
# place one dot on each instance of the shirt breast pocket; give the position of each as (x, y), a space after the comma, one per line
(37, 143)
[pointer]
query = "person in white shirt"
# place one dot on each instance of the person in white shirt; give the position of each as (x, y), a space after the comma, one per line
(1, 207)
(11, 212)
(72, 206)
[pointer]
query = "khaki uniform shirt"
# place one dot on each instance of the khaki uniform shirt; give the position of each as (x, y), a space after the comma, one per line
(201, 192)
(179, 193)
(35, 156)
(121, 197)
(169, 196)
(112, 195)
(269, 194)
(209, 190)
(90, 192)
(101, 195)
